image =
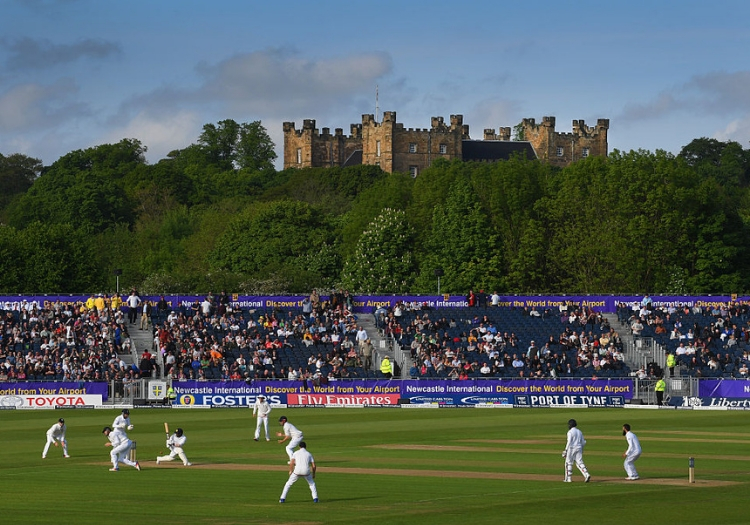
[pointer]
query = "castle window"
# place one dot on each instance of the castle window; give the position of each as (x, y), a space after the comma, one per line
(412, 147)
(299, 155)
(377, 148)
(443, 149)
(585, 152)
(560, 152)
(413, 171)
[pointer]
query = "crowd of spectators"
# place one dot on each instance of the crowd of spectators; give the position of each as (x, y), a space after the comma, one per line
(493, 341)
(65, 342)
(322, 341)
(706, 341)
(209, 340)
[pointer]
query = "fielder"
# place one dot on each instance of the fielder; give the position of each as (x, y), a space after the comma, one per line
(175, 443)
(290, 433)
(122, 422)
(632, 453)
(120, 444)
(56, 436)
(573, 453)
(302, 465)
(261, 409)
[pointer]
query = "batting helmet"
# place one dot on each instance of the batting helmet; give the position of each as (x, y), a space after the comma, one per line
(178, 432)
(126, 411)
(61, 420)
(572, 423)
(283, 418)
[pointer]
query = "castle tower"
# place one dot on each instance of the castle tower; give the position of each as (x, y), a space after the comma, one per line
(308, 148)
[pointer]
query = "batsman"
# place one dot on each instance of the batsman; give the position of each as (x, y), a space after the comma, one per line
(175, 443)
(573, 452)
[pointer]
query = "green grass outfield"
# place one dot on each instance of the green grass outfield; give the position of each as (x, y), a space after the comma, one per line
(381, 466)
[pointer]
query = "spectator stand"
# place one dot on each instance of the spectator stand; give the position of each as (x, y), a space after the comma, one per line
(502, 342)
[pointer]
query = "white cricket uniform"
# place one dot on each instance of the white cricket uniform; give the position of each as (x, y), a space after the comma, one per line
(56, 433)
(121, 423)
(631, 454)
(175, 445)
(303, 468)
(262, 409)
(574, 453)
(296, 437)
(120, 448)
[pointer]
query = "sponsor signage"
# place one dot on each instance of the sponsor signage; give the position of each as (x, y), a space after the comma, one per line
(54, 401)
(461, 400)
(569, 400)
(370, 303)
(723, 403)
(52, 388)
(339, 400)
(720, 388)
(389, 392)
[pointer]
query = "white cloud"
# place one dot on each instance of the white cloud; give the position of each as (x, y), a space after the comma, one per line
(34, 106)
(160, 134)
(717, 93)
(276, 81)
(492, 114)
(722, 92)
(737, 130)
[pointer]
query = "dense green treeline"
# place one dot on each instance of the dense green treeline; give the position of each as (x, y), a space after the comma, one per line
(216, 215)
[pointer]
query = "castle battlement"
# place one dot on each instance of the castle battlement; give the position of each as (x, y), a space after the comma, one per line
(393, 147)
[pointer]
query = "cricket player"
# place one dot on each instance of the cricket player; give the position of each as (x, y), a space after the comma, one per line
(122, 422)
(175, 443)
(302, 465)
(291, 433)
(56, 436)
(120, 444)
(261, 409)
(632, 453)
(573, 452)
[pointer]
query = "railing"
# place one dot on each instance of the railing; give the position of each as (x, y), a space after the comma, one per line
(644, 350)
(643, 389)
(127, 391)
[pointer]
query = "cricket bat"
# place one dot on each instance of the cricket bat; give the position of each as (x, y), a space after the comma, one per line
(166, 428)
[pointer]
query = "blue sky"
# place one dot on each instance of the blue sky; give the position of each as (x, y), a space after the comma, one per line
(77, 73)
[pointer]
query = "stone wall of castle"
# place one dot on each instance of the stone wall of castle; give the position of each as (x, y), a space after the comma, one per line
(561, 149)
(397, 149)
(307, 147)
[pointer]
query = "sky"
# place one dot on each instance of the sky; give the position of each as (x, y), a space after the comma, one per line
(78, 73)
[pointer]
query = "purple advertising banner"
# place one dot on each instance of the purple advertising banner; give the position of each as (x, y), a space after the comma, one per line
(370, 303)
(52, 388)
(388, 392)
(719, 388)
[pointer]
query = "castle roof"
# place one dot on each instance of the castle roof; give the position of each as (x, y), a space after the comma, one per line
(355, 159)
(494, 150)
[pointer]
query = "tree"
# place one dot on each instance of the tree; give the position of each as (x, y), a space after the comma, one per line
(279, 237)
(45, 258)
(461, 243)
(229, 146)
(255, 149)
(726, 161)
(392, 191)
(17, 173)
(84, 188)
(382, 261)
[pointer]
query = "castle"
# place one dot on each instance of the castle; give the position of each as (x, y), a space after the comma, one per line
(397, 149)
